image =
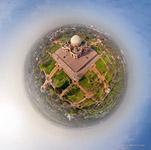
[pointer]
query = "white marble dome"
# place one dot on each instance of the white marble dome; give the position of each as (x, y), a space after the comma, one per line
(76, 40)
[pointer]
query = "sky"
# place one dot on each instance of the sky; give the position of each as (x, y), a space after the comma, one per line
(23, 22)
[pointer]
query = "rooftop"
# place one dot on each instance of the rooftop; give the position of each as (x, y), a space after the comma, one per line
(75, 64)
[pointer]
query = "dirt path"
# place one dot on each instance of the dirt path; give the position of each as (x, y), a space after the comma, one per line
(93, 68)
(104, 63)
(87, 94)
(49, 53)
(48, 77)
(101, 77)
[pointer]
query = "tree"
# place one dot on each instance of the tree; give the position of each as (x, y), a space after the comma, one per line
(58, 90)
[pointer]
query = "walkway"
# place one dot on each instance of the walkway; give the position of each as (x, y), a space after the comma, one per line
(48, 77)
(64, 91)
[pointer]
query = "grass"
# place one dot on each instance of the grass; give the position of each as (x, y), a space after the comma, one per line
(42, 78)
(86, 103)
(108, 77)
(41, 67)
(63, 39)
(110, 57)
(49, 65)
(56, 47)
(74, 94)
(112, 66)
(99, 45)
(46, 56)
(61, 80)
(97, 49)
(52, 45)
(89, 41)
(89, 81)
(104, 57)
(100, 66)
(99, 92)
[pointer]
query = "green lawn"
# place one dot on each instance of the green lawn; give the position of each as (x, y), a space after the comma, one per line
(64, 40)
(89, 81)
(52, 45)
(112, 67)
(49, 88)
(97, 49)
(48, 66)
(110, 57)
(89, 41)
(46, 56)
(86, 103)
(108, 77)
(99, 45)
(41, 66)
(99, 92)
(56, 47)
(61, 80)
(74, 94)
(104, 57)
(100, 66)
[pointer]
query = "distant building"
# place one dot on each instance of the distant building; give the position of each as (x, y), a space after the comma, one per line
(108, 90)
(70, 117)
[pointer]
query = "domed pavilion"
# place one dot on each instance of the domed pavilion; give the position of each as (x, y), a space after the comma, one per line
(76, 47)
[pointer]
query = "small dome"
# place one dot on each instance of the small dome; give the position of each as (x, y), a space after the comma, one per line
(76, 40)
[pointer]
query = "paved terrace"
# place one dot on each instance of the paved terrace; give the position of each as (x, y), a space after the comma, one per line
(75, 67)
(76, 64)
